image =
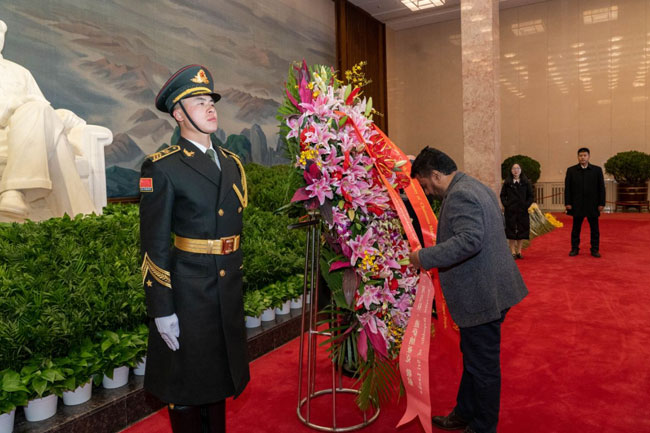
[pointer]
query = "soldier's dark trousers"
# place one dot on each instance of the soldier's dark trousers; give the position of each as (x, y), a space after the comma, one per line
(198, 419)
(593, 227)
(478, 398)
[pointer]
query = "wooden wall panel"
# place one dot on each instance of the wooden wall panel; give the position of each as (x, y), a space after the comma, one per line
(359, 37)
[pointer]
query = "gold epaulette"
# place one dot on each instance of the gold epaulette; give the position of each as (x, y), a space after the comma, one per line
(164, 153)
(243, 198)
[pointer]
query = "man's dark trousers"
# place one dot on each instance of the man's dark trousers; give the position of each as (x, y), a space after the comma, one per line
(593, 227)
(479, 392)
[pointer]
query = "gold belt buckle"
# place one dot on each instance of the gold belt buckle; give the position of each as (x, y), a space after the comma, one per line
(228, 245)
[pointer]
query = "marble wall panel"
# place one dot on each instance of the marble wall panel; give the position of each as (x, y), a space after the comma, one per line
(572, 73)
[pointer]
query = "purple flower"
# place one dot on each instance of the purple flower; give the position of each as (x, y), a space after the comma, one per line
(371, 295)
(362, 245)
(320, 189)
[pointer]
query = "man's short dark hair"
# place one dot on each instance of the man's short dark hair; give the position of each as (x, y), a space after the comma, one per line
(431, 159)
(583, 149)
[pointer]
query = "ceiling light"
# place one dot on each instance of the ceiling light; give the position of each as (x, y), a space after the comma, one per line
(416, 5)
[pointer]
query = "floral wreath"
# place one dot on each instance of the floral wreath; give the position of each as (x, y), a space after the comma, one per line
(329, 133)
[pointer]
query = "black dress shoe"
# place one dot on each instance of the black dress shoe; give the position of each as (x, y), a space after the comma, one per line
(595, 253)
(449, 422)
(574, 252)
(519, 256)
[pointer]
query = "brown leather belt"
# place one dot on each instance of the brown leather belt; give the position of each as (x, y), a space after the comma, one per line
(208, 246)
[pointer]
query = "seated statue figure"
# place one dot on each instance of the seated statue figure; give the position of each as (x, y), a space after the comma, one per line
(35, 149)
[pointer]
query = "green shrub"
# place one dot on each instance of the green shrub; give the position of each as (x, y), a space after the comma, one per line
(271, 251)
(529, 167)
(630, 167)
(271, 187)
(65, 279)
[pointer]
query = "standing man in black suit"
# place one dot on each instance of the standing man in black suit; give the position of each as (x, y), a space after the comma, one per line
(584, 197)
(479, 279)
(197, 355)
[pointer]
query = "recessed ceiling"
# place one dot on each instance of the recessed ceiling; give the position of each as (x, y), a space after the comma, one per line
(398, 17)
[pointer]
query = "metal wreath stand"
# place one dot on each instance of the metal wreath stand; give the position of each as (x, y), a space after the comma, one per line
(309, 332)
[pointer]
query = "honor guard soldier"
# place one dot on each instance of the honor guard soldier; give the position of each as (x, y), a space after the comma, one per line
(197, 355)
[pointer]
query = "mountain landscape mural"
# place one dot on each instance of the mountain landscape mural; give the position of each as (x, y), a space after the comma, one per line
(106, 60)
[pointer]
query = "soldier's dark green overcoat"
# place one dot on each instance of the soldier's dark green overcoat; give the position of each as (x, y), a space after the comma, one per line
(183, 192)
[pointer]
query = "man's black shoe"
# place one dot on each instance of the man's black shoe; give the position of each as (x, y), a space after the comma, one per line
(574, 252)
(595, 253)
(449, 422)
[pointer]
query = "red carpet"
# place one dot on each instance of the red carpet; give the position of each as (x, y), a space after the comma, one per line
(575, 352)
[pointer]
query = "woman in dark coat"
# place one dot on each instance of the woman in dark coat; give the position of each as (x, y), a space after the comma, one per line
(516, 197)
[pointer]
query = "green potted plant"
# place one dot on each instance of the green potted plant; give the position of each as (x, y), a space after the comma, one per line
(79, 367)
(119, 351)
(268, 314)
(45, 383)
(281, 297)
(295, 285)
(631, 170)
(530, 167)
(254, 304)
(12, 394)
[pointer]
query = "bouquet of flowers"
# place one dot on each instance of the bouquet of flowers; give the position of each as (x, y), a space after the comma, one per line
(541, 223)
(346, 169)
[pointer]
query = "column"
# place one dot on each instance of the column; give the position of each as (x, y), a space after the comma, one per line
(481, 108)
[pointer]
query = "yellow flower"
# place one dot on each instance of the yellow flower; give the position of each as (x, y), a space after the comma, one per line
(553, 221)
(356, 75)
(307, 155)
(368, 263)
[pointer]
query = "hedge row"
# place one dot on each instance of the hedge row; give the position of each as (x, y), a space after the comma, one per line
(64, 279)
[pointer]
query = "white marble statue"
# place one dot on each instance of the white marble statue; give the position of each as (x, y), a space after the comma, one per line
(36, 147)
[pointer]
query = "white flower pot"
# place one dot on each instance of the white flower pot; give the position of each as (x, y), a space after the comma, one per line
(7, 422)
(120, 378)
(253, 322)
(308, 298)
(41, 408)
(138, 370)
(284, 309)
(296, 303)
(268, 315)
(80, 395)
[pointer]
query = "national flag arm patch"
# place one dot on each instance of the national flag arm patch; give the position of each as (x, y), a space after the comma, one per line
(146, 184)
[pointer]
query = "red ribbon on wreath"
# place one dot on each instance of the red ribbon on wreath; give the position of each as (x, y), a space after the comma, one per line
(414, 353)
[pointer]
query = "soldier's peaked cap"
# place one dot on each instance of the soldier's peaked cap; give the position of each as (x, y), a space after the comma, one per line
(191, 80)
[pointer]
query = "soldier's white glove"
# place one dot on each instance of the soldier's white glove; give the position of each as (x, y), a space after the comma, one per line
(169, 330)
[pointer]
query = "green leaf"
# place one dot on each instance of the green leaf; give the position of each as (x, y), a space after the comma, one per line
(39, 385)
(11, 382)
